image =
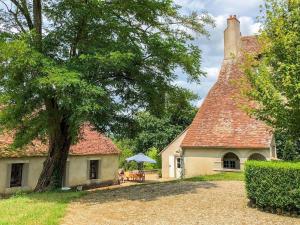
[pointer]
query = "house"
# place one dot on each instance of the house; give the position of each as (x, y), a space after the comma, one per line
(222, 136)
(92, 161)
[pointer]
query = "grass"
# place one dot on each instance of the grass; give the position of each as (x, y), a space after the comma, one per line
(36, 208)
(219, 176)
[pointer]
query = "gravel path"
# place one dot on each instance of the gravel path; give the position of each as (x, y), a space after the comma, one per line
(212, 203)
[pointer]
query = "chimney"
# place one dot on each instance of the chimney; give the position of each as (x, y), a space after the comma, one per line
(232, 37)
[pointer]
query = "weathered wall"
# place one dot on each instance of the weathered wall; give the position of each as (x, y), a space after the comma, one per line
(77, 172)
(209, 161)
(170, 150)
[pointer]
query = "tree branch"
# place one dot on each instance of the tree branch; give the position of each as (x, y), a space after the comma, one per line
(24, 10)
(15, 15)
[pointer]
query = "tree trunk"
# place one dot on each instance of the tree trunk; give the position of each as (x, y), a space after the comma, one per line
(37, 20)
(59, 145)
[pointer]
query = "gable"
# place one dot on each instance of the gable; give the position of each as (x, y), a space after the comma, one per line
(220, 121)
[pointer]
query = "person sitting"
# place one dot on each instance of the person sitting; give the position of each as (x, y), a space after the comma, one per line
(121, 176)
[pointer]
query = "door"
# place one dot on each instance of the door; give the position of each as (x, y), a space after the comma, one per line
(171, 166)
(178, 167)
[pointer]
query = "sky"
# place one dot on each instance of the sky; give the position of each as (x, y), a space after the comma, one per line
(212, 47)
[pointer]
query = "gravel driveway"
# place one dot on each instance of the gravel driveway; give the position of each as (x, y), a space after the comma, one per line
(213, 203)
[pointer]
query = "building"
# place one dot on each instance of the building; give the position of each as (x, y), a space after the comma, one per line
(92, 161)
(222, 136)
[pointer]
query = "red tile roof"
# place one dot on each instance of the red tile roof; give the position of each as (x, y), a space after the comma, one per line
(220, 121)
(90, 143)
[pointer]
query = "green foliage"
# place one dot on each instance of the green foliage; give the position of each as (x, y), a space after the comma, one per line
(38, 208)
(150, 133)
(147, 130)
(98, 61)
(219, 176)
(154, 132)
(273, 184)
(287, 148)
(275, 79)
(153, 153)
(125, 146)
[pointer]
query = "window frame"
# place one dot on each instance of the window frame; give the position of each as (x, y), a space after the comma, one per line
(94, 169)
(16, 181)
(229, 164)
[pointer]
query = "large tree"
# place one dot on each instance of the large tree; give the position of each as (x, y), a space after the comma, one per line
(159, 131)
(275, 77)
(66, 62)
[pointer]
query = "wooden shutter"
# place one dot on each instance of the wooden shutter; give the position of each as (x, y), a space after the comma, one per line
(25, 172)
(88, 169)
(99, 169)
(8, 175)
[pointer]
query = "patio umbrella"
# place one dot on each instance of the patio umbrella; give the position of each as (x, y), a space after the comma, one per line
(140, 158)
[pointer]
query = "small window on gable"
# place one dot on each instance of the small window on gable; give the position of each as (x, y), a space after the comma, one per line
(94, 168)
(16, 175)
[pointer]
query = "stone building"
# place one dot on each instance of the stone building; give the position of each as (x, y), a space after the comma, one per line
(92, 161)
(222, 136)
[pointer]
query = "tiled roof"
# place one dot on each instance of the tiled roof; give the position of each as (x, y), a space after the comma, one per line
(90, 143)
(220, 121)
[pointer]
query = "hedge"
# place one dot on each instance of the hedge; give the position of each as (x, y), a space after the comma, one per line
(273, 185)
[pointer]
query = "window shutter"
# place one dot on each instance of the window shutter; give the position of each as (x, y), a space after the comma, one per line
(25, 174)
(8, 175)
(88, 169)
(99, 169)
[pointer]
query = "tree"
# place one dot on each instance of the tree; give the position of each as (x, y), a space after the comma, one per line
(287, 148)
(125, 147)
(157, 131)
(66, 62)
(275, 79)
(153, 153)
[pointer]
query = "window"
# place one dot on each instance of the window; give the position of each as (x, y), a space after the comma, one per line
(257, 156)
(178, 162)
(94, 166)
(231, 161)
(229, 164)
(16, 175)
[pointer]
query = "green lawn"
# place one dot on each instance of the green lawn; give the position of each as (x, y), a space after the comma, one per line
(36, 208)
(219, 176)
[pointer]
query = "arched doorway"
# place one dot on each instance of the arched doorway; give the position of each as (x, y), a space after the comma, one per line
(257, 156)
(231, 161)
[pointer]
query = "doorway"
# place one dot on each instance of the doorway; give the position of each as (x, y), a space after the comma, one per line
(179, 165)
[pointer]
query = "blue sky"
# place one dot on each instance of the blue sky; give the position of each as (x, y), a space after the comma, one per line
(212, 47)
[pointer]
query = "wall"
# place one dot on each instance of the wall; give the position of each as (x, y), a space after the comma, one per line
(171, 150)
(77, 173)
(209, 161)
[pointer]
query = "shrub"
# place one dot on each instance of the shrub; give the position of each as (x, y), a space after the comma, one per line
(154, 154)
(273, 185)
(126, 151)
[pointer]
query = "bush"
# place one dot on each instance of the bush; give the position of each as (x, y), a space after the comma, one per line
(273, 185)
(126, 151)
(154, 154)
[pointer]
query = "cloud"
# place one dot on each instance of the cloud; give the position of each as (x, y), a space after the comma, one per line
(213, 47)
(227, 7)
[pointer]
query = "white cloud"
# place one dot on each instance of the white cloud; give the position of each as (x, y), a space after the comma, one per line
(249, 26)
(212, 48)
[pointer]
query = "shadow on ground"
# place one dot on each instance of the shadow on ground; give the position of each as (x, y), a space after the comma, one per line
(147, 192)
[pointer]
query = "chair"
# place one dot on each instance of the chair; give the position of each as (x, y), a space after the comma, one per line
(127, 175)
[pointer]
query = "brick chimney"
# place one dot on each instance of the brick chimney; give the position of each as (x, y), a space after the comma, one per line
(232, 38)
